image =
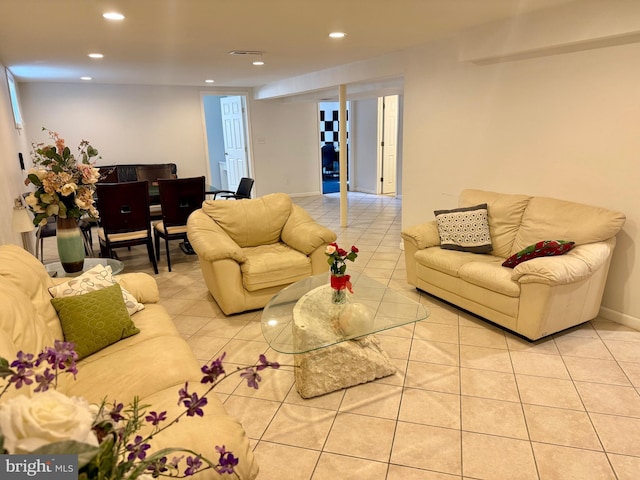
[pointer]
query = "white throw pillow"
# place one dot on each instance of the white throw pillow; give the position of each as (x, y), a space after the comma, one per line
(465, 229)
(94, 279)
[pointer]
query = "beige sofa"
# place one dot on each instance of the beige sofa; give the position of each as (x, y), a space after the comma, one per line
(538, 297)
(250, 249)
(153, 364)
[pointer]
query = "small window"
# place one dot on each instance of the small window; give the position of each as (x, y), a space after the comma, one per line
(13, 95)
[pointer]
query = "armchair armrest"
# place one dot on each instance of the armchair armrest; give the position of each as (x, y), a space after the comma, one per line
(141, 285)
(303, 233)
(574, 266)
(210, 241)
(422, 235)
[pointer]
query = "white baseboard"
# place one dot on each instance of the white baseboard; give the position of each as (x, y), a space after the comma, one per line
(619, 317)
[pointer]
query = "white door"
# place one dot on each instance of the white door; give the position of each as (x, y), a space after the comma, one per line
(235, 150)
(388, 111)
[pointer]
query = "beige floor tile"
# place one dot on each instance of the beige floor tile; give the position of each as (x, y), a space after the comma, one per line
(584, 330)
(550, 392)
(396, 472)
(430, 408)
(488, 384)
(436, 332)
(583, 347)
(563, 463)
(517, 344)
(489, 457)
(435, 352)
(275, 385)
(207, 348)
(624, 351)
(542, 365)
(609, 399)
(561, 427)
(618, 434)
(632, 371)
(244, 352)
(433, 376)
(189, 324)
(396, 347)
(484, 358)
(626, 467)
(615, 331)
(374, 399)
(482, 337)
(329, 401)
(426, 447)
(354, 435)
(203, 308)
(596, 370)
(284, 462)
(254, 413)
(350, 468)
(493, 417)
(300, 426)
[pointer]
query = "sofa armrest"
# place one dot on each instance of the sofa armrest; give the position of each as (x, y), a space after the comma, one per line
(423, 235)
(303, 233)
(574, 266)
(210, 241)
(141, 285)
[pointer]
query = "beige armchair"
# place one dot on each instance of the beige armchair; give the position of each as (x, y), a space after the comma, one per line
(249, 250)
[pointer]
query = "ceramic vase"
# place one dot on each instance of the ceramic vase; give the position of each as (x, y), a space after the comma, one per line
(70, 244)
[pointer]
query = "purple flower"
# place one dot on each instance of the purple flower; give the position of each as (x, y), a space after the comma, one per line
(212, 372)
(264, 363)
(155, 418)
(23, 361)
(21, 378)
(137, 449)
(61, 356)
(116, 413)
(252, 377)
(157, 467)
(226, 462)
(194, 464)
(192, 402)
(44, 380)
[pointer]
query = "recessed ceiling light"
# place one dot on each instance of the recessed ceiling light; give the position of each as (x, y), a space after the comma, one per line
(209, 81)
(113, 16)
(258, 62)
(337, 34)
(96, 55)
(85, 78)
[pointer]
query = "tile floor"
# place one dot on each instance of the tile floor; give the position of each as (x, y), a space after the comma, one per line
(469, 401)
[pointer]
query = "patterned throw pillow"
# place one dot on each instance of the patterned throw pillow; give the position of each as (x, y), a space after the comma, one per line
(544, 248)
(94, 279)
(465, 229)
(94, 320)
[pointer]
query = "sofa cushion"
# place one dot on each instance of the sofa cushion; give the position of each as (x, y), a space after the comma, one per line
(449, 262)
(465, 229)
(490, 275)
(273, 265)
(505, 214)
(94, 279)
(545, 248)
(94, 320)
(251, 222)
(552, 218)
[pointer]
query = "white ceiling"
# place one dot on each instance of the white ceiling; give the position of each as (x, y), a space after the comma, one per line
(184, 42)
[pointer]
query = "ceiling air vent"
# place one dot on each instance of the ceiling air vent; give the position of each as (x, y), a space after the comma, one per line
(245, 52)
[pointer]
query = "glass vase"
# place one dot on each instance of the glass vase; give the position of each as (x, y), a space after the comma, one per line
(70, 244)
(339, 289)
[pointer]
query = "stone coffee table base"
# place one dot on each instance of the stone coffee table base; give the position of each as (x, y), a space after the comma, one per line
(340, 366)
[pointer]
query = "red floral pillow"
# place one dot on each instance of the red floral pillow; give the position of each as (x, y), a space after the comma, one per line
(544, 248)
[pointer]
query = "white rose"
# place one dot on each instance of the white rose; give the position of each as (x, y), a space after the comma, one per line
(68, 188)
(37, 172)
(28, 423)
(331, 249)
(31, 200)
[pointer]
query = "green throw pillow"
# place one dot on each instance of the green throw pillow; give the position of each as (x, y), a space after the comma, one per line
(94, 320)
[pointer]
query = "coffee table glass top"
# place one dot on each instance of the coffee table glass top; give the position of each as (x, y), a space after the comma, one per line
(55, 268)
(389, 309)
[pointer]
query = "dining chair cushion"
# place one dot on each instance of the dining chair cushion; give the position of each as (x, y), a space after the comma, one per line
(94, 320)
(170, 230)
(119, 237)
(273, 265)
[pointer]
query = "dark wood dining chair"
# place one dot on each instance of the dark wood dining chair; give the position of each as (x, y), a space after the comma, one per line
(124, 217)
(243, 190)
(153, 173)
(178, 198)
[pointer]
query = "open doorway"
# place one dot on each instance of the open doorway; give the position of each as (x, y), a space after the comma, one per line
(226, 133)
(330, 147)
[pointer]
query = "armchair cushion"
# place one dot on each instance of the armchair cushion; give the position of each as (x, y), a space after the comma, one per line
(273, 265)
(303, 233)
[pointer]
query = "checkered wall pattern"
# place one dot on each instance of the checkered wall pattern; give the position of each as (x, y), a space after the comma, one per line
(330, 125)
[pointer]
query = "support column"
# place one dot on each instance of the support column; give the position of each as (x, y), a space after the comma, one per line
(342, 156)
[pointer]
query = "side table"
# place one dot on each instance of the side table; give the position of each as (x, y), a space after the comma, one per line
(55, 268)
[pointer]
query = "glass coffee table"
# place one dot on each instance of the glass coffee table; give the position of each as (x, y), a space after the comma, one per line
(334, 346)
(55, 268)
